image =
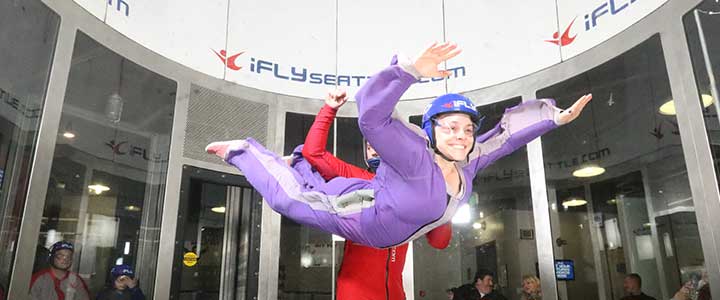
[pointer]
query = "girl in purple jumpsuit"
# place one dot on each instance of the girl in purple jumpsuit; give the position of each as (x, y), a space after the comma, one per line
(425, 175)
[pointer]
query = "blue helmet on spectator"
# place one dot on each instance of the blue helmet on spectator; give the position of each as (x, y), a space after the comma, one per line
(121, 270)
(60, 246)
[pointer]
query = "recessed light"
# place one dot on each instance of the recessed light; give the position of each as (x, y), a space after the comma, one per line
(589, 171)
(574, 202)
(98, 188)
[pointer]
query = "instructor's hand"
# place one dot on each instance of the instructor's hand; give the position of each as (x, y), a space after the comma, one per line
(336, 98)
(427, 62)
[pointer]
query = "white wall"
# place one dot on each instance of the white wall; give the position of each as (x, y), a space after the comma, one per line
(342, 42)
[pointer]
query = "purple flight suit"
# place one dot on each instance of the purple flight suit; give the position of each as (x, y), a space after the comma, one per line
(408, 197)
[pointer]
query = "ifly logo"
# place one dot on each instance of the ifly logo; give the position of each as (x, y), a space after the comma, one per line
(115, 146)
(124, 148)
(458, 104)
(564, 39)
(302, 74)
(229, 62)
(464, 104)
(613, 7)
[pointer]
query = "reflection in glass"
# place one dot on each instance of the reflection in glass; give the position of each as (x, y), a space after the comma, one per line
(108, 175)
(702, 29)
(623, 220)
(307, 268)
(29, 30)
(497, 232)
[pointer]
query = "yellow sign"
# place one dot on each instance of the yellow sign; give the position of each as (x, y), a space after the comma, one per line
(190, 259)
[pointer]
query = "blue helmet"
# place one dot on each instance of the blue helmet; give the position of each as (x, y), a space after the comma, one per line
(448, 103)
(60, 246)
(121, 270)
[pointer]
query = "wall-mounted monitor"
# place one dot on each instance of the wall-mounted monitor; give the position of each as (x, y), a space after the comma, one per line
(564, 269)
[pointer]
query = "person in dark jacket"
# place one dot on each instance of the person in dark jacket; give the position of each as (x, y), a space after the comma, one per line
(632, 284)
(124, 285)
(480, 288)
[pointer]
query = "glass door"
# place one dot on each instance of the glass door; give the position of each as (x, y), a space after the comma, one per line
(216, 243)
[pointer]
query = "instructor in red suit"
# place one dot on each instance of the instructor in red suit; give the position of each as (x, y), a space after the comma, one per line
(366, 273)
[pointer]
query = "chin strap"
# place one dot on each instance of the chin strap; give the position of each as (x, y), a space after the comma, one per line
(443, 155)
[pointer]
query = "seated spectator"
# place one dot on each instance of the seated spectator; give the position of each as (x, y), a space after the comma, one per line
(123, 285)
(633, 288)
(480, 288)
(531, 288)
(57, 282)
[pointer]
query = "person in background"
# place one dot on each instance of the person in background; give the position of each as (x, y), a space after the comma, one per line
(633, 288)
(692, 290)
(123, 285)
(531, 288)
(57, 282)
(480, 289)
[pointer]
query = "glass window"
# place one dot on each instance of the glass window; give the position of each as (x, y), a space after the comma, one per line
(32, 29)
(496, 232)
(702, 26)
(306, 254)
(109, 169)
(618, 188)
(350, 142)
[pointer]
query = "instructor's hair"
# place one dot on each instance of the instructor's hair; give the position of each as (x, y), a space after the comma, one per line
(481, 273)
(636, 277)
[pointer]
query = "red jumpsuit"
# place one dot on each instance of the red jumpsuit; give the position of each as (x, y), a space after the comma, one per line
(366, 273)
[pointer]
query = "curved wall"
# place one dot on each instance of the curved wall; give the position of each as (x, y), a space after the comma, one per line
(283, 96)
(292, 48)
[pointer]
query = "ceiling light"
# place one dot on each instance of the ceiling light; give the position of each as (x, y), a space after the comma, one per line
(218, 209)
(68, 131)
(612, 201)
(132, 208)
(668, 108)
(98, 188)
(572, 202)
(589, 171)
(478, 225)
(462, 216)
